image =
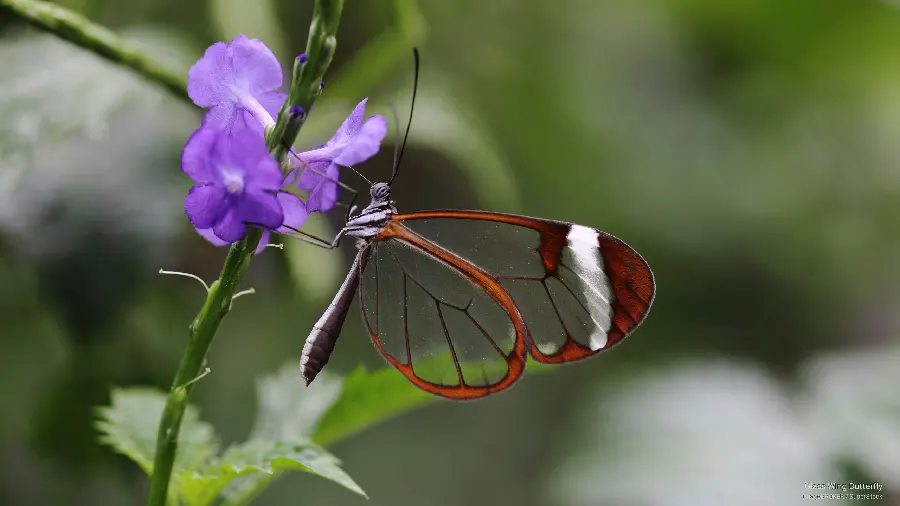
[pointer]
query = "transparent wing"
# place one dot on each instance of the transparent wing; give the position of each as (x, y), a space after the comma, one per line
(445, 324)
(579, 290)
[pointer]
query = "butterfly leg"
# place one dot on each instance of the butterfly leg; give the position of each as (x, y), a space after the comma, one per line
(301, 236)
(315, 241)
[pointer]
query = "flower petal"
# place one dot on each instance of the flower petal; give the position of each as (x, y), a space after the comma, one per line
(209, 235)
(256, 69)
(323, 155)
(272, 102)
(210, 78)
(248, 152)
(245, 120)
(311, 175)
(323, 195)
(263, 242)
(295, 212)
(223, 116)
(291, 178)
(294, 216)
(231, 227)
(261, 209)
(205, 205)
(350, 125)
(365, 143)
(232, 78)
(195, 158)
(264, 175)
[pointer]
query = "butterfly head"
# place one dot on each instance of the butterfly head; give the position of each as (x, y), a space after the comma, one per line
(380, 192)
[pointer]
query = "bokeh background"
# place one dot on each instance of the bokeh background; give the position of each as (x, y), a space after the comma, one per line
(750, 150)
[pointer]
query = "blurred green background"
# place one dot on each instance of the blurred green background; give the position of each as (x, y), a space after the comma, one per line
(750, 150)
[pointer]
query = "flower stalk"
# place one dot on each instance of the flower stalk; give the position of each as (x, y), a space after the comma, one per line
(78, 30)
(320, 49)
(307, 75)
(200, 335)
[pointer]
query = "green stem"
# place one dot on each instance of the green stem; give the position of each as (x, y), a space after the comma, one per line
(201, 332)
(307, 77)
(97, 39)
(303, 92)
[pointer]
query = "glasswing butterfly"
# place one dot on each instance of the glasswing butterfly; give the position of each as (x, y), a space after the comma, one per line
(457, 300)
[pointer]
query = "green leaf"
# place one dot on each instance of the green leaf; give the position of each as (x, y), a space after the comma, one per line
(367, 398)
(364, 399)
(371, 397)
(261, 461)
(287, 411)
(202, 489)
(244, 488)
(129, 425)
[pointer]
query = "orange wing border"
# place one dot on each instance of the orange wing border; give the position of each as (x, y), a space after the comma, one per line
(517, 358)
(632, 280)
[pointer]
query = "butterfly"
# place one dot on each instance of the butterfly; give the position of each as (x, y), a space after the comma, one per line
(456, 301)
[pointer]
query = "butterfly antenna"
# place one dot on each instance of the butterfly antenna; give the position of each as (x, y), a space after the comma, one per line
(358, 173)
(412, 106)
(397, 131)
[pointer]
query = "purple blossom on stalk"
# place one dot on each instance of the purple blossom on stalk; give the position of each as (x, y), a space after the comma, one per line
(295, 215)
(236, 182)
(354, 142)
(237, 83)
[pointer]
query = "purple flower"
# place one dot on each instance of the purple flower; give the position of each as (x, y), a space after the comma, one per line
(236, 182)
(354, 142)
(237, 82)
(294, 215)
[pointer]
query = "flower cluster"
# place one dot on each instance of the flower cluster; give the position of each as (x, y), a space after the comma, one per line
(237, 183)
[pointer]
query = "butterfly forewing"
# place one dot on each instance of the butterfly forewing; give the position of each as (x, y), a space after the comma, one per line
(579, 290)
(435, 321)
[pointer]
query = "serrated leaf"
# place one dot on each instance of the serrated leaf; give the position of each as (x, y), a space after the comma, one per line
(371, 397)
(260, 462)
(201, 489)
(130, 423)
(288, 411)
(243, 489)
(367, 398)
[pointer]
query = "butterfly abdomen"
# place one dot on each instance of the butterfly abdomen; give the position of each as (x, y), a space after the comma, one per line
(320, 343)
